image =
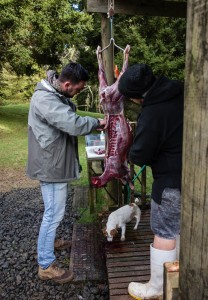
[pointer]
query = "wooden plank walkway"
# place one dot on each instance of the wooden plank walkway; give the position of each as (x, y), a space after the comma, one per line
(125, 261)
(87, 258)
(130, 260)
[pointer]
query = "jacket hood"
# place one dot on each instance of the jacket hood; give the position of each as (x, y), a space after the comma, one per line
(44, 85)
(50, 83)
(163, 90)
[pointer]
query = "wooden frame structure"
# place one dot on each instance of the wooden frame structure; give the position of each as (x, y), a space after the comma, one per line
(193, 278)
(160, 8)
(139, 7)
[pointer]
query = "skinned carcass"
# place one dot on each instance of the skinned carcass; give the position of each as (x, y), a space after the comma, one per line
(118, 131)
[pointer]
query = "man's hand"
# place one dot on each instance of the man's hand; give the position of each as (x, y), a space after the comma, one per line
(102, 123)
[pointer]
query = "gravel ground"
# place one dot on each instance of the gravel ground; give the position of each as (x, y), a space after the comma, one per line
(21, 213)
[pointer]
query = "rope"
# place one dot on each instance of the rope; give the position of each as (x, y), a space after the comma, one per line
(140, 171)
(111, 27)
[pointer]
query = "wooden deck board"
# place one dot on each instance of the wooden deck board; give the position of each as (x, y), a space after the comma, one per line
(129, 260)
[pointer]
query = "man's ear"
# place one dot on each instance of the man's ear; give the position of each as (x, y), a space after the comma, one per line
(67, 84)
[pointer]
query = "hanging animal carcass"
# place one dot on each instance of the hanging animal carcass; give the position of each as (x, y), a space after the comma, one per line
(118, 131)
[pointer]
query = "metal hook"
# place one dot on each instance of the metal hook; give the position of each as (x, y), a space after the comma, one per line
(111, 39)
(114, 44)
(117, 46)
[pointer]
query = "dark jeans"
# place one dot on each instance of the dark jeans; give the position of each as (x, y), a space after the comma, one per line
(165, 218)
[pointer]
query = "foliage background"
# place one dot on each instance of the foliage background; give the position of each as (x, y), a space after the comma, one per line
(37, 35)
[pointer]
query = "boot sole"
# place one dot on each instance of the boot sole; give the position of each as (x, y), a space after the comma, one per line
(56, 280)
(135, 297)
(147, 298)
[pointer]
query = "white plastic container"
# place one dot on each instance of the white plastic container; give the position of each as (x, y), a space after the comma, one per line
(102, 136)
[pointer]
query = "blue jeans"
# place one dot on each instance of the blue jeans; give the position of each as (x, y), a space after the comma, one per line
(54, 198)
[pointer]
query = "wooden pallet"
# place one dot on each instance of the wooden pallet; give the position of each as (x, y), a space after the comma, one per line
(130, 260)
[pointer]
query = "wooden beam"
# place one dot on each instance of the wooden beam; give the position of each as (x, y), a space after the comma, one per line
(160, 8)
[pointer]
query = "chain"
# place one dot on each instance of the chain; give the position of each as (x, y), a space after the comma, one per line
(110, 16)
(110, 8)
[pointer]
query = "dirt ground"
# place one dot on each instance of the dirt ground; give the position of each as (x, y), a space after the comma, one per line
(11, 178)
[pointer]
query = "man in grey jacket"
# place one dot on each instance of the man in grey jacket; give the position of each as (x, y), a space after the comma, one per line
(53, 127)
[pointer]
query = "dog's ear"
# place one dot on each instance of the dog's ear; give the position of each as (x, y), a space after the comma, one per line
(113, 232)
(104, 231)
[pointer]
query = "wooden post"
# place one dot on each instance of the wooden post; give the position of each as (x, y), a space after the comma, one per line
(108, 54)
(114, 186)
(193, 277)
(170, 285)
(92, 189)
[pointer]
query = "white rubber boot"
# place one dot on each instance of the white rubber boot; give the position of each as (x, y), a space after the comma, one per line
(153, 288)
(177, 246)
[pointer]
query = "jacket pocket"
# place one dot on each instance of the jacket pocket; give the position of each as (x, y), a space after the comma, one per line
(55, 153)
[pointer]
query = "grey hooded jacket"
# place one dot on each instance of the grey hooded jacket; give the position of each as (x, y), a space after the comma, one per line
(53, 127)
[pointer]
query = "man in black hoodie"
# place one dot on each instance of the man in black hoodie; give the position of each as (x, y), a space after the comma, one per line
(158, 144)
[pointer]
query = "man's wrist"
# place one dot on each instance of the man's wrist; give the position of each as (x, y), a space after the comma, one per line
(98, 122)
(101, 123)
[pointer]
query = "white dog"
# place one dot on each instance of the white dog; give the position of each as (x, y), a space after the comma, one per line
(119, 218)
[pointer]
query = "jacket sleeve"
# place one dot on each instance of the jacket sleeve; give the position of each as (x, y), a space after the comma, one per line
(145, 146)
(61, 116)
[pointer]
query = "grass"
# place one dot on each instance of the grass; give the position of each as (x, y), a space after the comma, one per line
(13, 135)
(13, 150)
(102, 205)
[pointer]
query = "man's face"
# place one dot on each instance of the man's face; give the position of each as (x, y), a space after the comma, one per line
(71, 89)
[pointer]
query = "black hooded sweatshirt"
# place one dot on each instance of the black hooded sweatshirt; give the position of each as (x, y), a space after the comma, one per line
(159, 133)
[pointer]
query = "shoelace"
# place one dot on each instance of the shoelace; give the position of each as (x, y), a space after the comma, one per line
(56, 268)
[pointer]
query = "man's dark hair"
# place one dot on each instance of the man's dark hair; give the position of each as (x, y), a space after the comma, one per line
(73, 72)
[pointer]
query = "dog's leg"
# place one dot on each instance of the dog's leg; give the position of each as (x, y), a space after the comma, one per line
(123, 232)
(137, 221)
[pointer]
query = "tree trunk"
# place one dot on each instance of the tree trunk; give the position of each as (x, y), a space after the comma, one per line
(194, 227)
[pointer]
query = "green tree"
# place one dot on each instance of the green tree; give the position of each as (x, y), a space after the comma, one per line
(45, 34)
(157, 41)
(36, 33)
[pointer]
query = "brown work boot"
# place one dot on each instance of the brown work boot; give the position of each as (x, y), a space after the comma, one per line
(55, 273)
(62, 244)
